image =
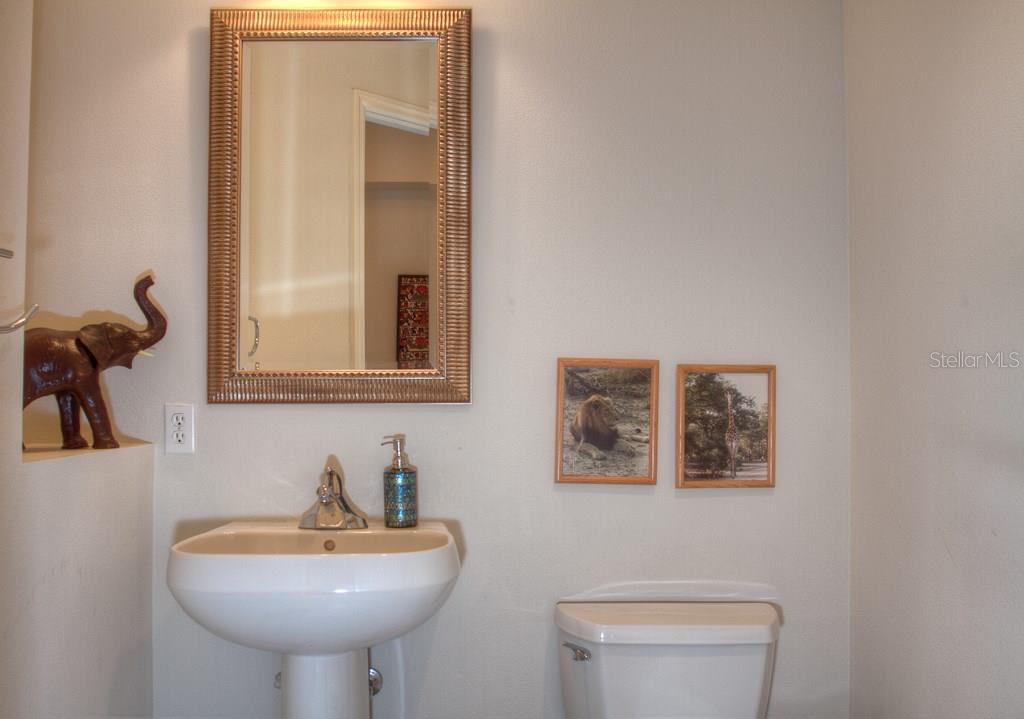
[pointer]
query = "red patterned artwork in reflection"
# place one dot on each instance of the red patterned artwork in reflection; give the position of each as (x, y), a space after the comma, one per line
(413, 322)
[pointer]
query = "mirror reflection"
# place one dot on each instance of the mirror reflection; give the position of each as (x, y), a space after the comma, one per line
(338, 205)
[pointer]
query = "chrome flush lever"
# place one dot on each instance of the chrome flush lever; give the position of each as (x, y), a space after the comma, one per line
(579, 654)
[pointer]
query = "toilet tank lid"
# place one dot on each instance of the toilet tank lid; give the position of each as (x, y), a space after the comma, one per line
(669, 622)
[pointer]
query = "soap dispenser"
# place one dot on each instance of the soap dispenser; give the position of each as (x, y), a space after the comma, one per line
(399, 486)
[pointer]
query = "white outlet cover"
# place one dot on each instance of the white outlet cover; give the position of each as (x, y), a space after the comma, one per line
(179, 428)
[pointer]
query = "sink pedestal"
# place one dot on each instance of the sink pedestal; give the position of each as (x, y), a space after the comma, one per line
(334, 686)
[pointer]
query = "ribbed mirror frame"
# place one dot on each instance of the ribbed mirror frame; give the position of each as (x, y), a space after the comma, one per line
(450, 380)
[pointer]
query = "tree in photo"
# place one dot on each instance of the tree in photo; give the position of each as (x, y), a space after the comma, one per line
(707, 418)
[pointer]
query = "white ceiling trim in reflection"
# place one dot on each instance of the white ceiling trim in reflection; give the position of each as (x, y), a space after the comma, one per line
(396, 114)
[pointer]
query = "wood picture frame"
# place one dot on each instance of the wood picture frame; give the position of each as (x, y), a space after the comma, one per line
(725, 425)
(607, 421)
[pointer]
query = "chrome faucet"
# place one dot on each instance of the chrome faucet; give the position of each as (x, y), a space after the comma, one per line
(332, 509)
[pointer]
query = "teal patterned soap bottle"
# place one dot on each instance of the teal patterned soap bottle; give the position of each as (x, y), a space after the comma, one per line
(399, 486)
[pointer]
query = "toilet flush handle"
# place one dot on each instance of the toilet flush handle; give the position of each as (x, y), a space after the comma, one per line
(579, 654)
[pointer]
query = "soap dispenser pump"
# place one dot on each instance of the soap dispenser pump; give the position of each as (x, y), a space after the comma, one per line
(399, 486)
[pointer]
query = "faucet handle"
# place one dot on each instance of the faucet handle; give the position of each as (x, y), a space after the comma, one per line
(332, 481)
(330, 488)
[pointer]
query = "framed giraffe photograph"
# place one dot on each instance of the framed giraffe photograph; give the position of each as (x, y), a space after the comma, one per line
(725, 425)
(607, 425)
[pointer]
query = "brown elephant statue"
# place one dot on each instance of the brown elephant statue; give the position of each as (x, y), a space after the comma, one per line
(67, 364)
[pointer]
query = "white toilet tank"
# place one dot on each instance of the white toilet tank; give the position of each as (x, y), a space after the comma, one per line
(666, 660)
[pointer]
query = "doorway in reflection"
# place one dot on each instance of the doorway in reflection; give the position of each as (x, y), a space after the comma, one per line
(400, 243)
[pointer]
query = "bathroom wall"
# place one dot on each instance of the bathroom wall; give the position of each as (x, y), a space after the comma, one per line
(77, 574)
(659, 179)
(15, 91)
(75, 531)
(936, 156)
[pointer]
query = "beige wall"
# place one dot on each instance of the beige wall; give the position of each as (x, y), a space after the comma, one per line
(687, 204)
(937, 244)
(18, 662)
(400, 239)
(15, 94)
(75, 532)
(394, 155)
(76, 585)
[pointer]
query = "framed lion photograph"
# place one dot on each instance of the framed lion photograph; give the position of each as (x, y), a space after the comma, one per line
(725, 426)
(607, 425)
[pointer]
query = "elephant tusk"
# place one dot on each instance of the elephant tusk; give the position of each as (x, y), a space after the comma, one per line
(144, 353)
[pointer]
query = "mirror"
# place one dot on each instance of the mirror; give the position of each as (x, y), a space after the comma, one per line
(339, 206)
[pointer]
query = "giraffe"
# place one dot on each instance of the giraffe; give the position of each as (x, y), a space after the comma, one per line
(732, 437)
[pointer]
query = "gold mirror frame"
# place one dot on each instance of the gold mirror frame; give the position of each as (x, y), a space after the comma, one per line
(449, 381)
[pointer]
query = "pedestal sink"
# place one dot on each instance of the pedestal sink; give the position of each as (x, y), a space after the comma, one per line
(320, 597)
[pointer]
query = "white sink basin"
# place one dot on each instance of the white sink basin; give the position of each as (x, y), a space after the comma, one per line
(272, 586)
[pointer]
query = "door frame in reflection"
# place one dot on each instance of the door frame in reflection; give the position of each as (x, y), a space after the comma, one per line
(405, 116)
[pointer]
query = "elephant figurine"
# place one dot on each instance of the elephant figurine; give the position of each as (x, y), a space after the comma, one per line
(67, 364)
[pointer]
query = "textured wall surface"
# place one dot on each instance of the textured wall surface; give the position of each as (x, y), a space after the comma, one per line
(657, 180)
(936, 154)
(15, 90)
(77, 572)
(75, 532)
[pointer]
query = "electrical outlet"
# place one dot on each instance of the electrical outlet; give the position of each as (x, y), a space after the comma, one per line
(179, 428)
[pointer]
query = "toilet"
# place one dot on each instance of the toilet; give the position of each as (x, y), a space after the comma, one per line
(666, 659)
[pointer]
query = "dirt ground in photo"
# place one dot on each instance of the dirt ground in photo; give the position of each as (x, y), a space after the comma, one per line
(631, 400)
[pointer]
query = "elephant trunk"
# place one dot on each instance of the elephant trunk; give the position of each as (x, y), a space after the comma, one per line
(156, 322)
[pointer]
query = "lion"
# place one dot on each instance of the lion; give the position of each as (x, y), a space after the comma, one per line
(594, 428)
